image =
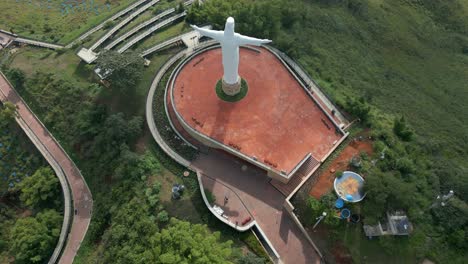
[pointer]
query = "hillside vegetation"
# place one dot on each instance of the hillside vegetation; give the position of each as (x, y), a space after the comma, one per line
(30, 197)
(55, 20)
(401, 67)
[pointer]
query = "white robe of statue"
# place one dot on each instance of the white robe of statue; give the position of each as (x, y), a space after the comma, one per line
(230, 42)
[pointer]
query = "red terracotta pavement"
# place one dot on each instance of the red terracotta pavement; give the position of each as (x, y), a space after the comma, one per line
(263, 201)
(233, 208)
(277, 121)
(82, 199)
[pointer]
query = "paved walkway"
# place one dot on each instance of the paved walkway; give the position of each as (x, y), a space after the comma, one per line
(39, 43)
(263, 201)
(82, 199)
(233, 208)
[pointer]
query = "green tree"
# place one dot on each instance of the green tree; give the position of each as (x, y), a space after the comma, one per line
(129, 240)
(183, 242)
(7, 114)
(40, 187)
(180, 8)
(250, 258)
(110, 145)
(124, 70)
(16, 77)
(163, 216)
(33, 238)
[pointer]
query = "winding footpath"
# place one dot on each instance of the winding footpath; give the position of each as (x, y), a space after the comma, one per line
(69, 175)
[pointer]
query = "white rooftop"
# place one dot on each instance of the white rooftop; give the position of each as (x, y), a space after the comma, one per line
(87, 55)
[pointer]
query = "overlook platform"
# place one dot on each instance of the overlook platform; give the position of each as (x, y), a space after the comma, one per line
(277, 124)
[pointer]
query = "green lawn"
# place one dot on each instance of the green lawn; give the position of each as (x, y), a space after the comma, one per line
(66, 65)
(34, 18)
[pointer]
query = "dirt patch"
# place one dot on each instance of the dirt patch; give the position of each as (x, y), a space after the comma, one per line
(325, 181)
(25, 213)
(185, 208)
(341, 254)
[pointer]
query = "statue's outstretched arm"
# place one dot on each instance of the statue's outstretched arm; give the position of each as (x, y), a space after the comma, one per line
(244, 40)
(214, 34)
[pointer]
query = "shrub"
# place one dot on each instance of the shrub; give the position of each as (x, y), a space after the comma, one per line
(163, 216)
(253, 244)
(210, 197)
(328, 200)
(359, 108)
(109, 24)
(339, 174)
(401, 129)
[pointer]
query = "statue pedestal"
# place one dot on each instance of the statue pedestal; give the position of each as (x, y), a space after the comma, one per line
(232, 89)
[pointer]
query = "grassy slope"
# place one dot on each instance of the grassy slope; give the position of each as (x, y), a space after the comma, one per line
(398, 57)
(405, 61)
(28, 18)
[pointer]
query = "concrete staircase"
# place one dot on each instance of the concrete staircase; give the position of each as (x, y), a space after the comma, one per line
(301, 174)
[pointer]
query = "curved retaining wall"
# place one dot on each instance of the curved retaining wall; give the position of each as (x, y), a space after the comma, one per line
(222, 219)
(150, 116)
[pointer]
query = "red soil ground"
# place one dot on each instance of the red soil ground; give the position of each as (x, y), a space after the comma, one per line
(325, 181)
(277, 122)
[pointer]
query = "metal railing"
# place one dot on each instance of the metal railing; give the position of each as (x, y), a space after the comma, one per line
(151, 30)
(123, 23)
(98, 27)
(38, 43)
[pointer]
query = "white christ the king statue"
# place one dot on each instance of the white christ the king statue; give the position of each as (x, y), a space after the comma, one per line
(230, 42)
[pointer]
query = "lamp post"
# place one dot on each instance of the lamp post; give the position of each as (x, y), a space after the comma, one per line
(320, 218)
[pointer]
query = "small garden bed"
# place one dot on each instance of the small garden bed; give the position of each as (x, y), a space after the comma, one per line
(232, 98)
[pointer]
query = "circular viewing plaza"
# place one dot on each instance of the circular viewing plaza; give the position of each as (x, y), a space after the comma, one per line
(277, 126)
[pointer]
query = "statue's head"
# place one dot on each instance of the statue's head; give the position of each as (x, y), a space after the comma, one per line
(229, 28)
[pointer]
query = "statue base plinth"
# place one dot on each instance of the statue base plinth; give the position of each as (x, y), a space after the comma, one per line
(231, 89)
